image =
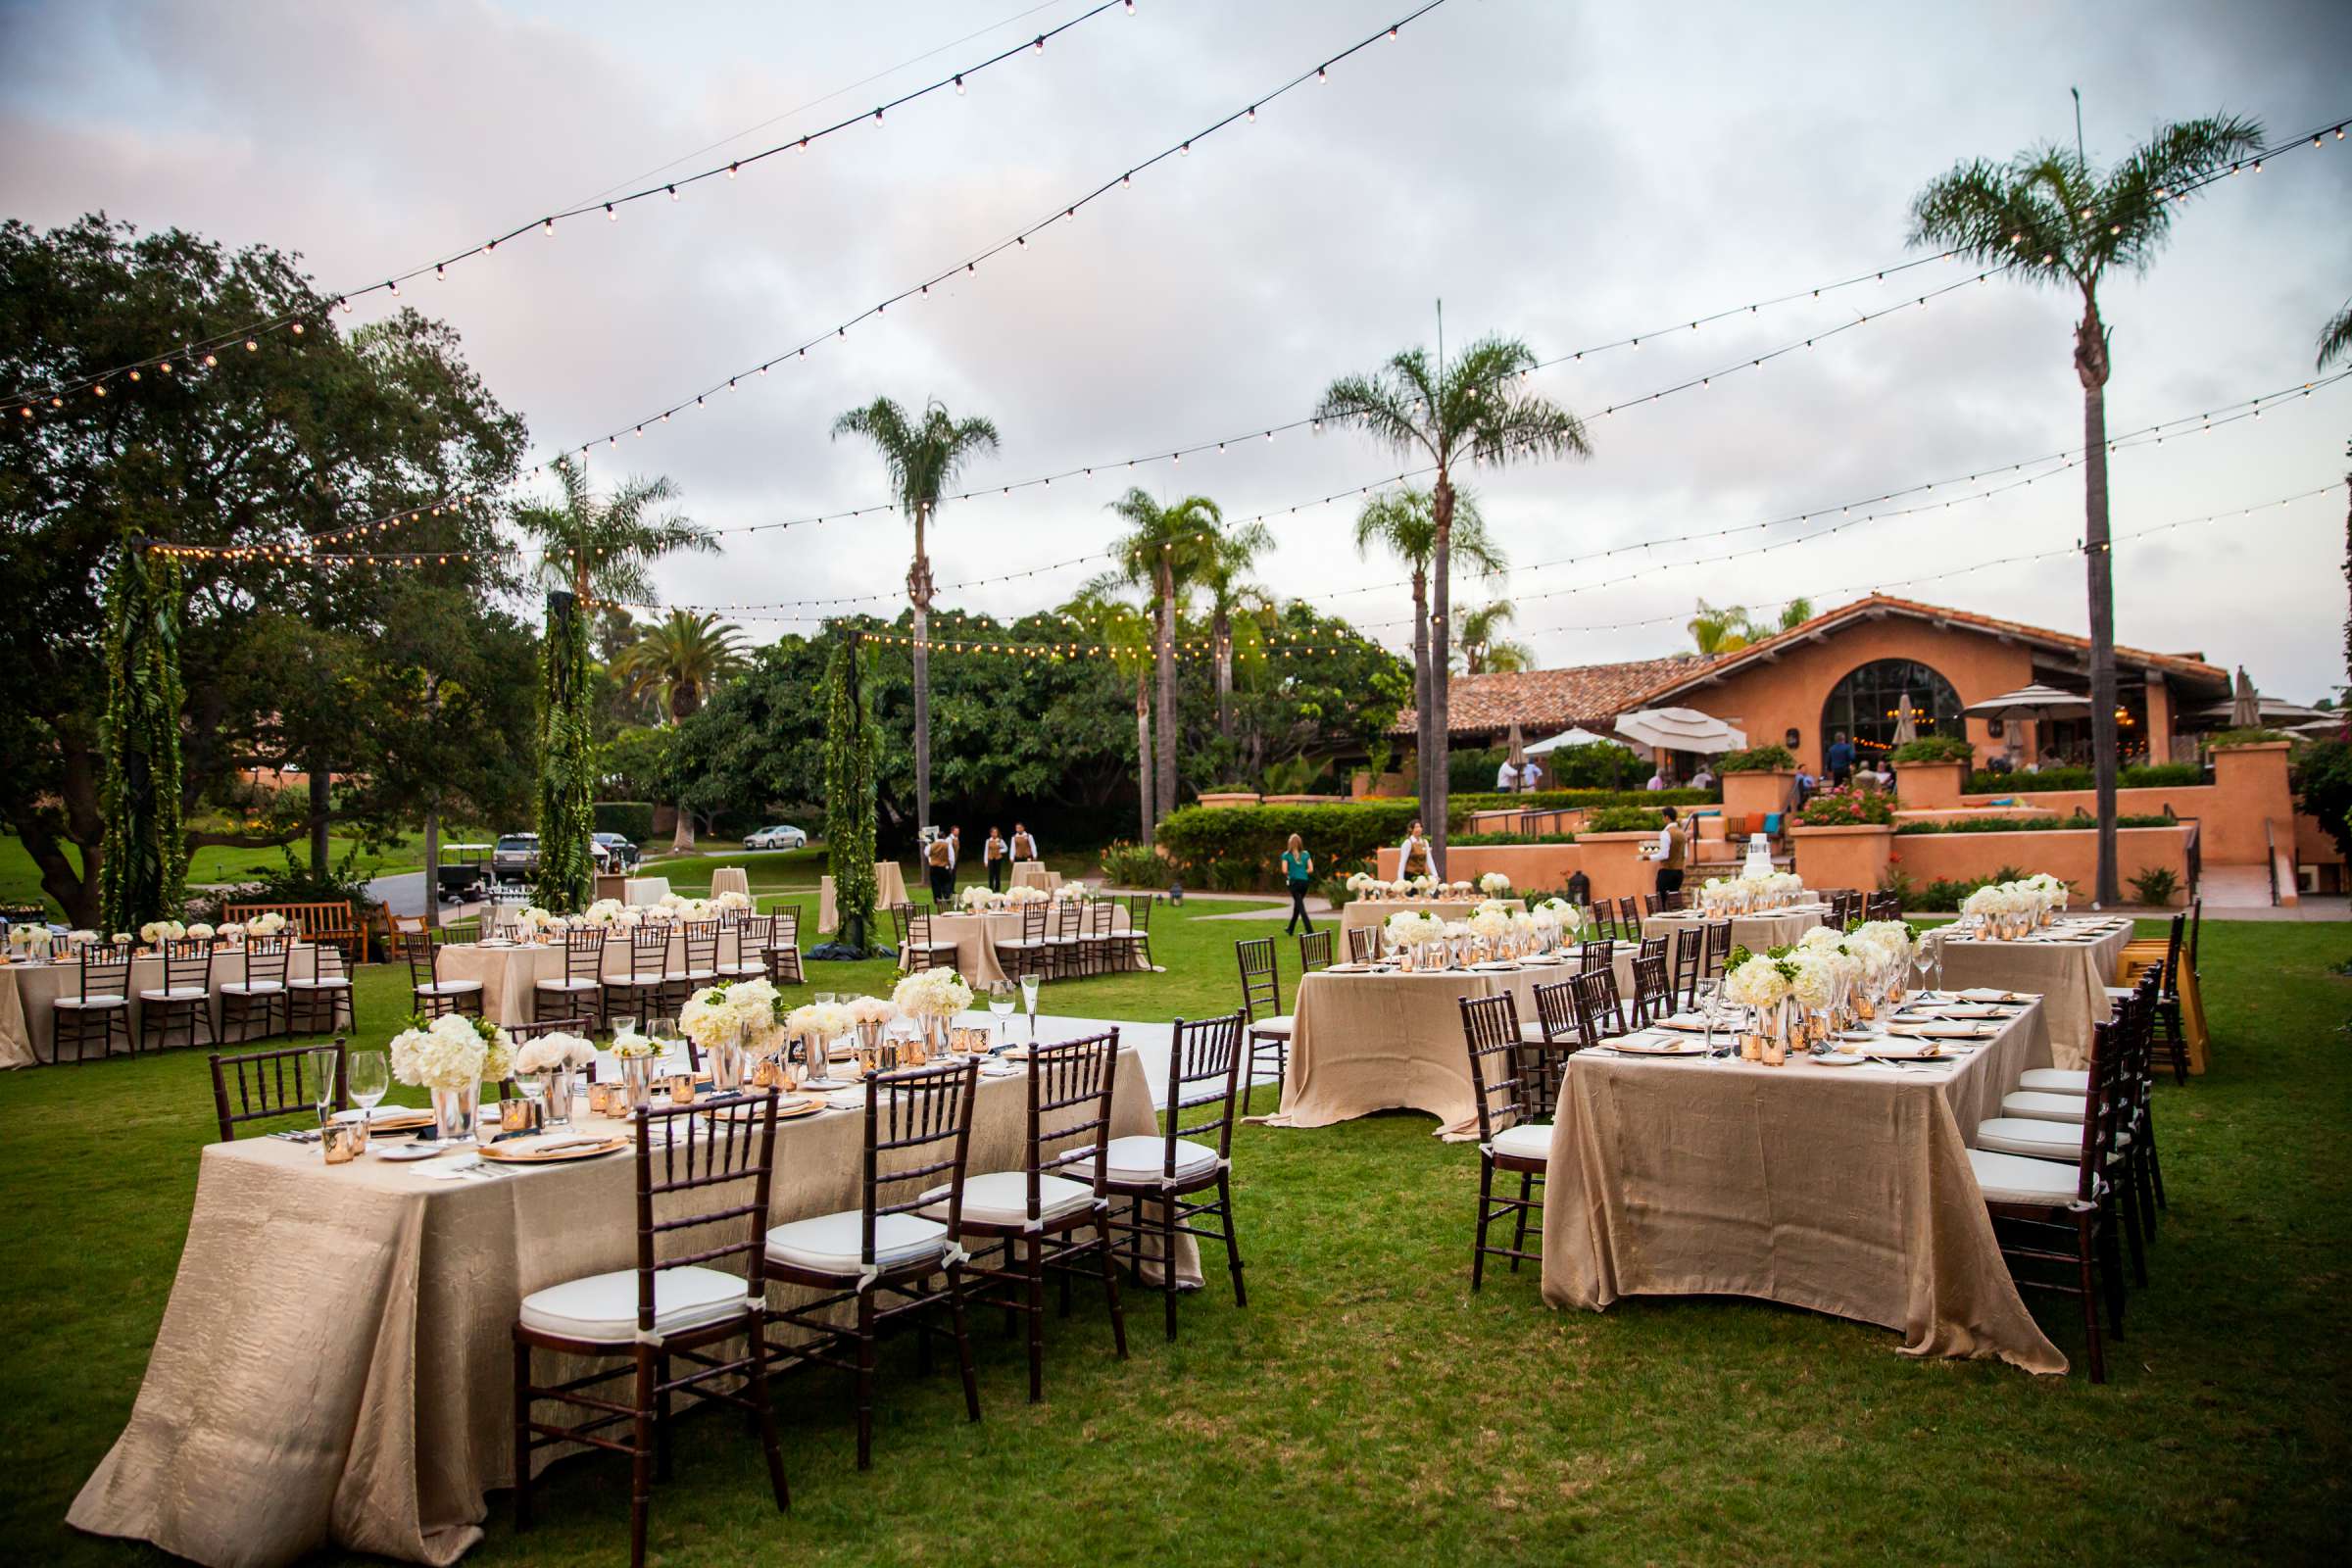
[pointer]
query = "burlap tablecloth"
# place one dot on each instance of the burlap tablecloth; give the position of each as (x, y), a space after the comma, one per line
(334, 1366)
(730, 879)
(890, 887)
(1357, 913)
(1757, 933)
(1366, 1043)
(2072, 978)
(28, 992)
(1844, 1190)
(976, 937)
(645, 891)
(507, 974)
(1033, 875)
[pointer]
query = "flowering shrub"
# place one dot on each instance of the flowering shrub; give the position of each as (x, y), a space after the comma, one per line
(1847, 808)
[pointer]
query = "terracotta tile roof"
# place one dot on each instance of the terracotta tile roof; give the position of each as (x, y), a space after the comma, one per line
(1547, 702)
(2190, 670)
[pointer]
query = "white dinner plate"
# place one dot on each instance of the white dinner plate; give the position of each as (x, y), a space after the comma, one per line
(401, 1154)
(1835, 1058)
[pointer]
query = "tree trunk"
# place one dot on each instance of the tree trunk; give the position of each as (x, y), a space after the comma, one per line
(1143, 753)
(433, 867)
(321, 805)
(1166, 793)
(681, 838)
(1222, 632)
(918, 593)
(1421, 749)
(2092, 367)
(1440, 658)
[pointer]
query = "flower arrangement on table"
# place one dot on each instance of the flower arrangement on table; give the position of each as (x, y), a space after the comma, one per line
(534, 918)
(731, 902)
(1068, 892)
(748, 1012)
(819, 1023)
(77, 940)
(1561, 916)
(155, 933)
(1362, 883)
(452, 1055)
(2014, 909)
(686, 908)
(979, 901)
(1490, 923)
(869, 1010)
(932, 994)
(556, 1053)
(27, 937)
(630, 1045)
(1026, 894)
(200, 932)
(1494, 884)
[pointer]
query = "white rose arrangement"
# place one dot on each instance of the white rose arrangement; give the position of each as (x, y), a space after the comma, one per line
(933, 994)
(25, 936)
(630, 1045)
(732, 901)
(453, 1051)
(975, 900)
(604, 912)
(861, 1010)
(1027, 895)
(820, 1022)
(536, 919)
(1409, 928)
(82, 939)
(200, 932)
(1490, 923)
(752, 1011)
(1816, 982)
(1758, 981)
(551, 1053)
(1423, 883)
(232, 931)
(1359, 883)
(1495, 883)
(155, 933)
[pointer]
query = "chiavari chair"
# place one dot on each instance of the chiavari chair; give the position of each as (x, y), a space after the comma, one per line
(270, 1084)
(879, 1258)
(753, 933)
(1165, 1174)
(1718, 953)
(783, 951)
(1044, 1215)
(1064, 947)
(637, 991)
(1139, 931)
(1551, 1040)
(1598, 953)
(1653, 948)
(1629, 918)
(582, 982)
(2171, 1038)
(1026, 953)
(1688, 957)
(263, 990)
(100, 1007)
(2062, 1211)
(434, 995)
(697, 966)
(1653, 903)
(1653, 993)
(185, 997)
(1100, 950)
(2057, 1094)
(1506, 1144)
(1883, 906)
(327, 986)
(665, 1309)
(1601, 919)
(1363, 944)
(1314, 950)
(1599, 1012)
(1266, 1027)
(919, 951)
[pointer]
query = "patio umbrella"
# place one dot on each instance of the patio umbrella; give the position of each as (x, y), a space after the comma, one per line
(2245, 709)
(2028, 704)
(1579, 736)
(1680, 729)
(1518, 745)
(1906, 721)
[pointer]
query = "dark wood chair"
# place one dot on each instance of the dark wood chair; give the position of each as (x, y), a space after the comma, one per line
(1025, 954)
(434, 995)
(783, 951)
(752, 934)
(100, 1007)
(1053, 1211)
(1551, 1040)
(1363, 944)
(696, 965)
(1507, 1145)
(261, 990)
(2062, 1212)
(327, 988)
(878, 1260)
(1601, 920)
(1165, 1175)
(582, 982)
(1065, 943)
(1653, 992)
(1099, 948)
(1139, 931)
(185, 997)
(1266, 1029)
(1314, 950)
(2171, 1038)
(674, 1305)
(1599, 1011)
(1629, 918)
(271, 1085)
(1599, 952)
(918, 949)
(636, 992)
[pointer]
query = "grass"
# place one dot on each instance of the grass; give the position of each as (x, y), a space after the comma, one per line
(1365, 1403)
(21, 879)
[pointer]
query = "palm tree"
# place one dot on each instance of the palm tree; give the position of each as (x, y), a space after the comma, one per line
(1795, 612)
(2049, 217)
(1406, 523)
(923, 460)
(1128, 636)
(681, 660)
(1476, 410)
(1167, 548)
(2335, 338)
(1224, 578)
(599, 550)
(1721, 629)
(1485, 650)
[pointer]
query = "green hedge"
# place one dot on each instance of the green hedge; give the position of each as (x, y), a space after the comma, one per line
(1933, 749)
(1757, 759)
(1625, 820)
(632, 819)
(1565, 800)
(2076, 823)
(1468, 840)
(1239, 848)
(2146, 776)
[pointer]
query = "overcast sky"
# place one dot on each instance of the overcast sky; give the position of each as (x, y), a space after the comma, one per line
(1566, 174)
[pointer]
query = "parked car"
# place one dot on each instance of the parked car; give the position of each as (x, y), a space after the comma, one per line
(777, 838)
(625, 855)
(516, 857)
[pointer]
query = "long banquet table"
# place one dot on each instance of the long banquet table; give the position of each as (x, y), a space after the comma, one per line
(28, 990)
(1844, 1190)
(1357, 913)
(334, 1366)
(2071, 963)
(1757, 932)
(508, 973)
(1388, 1041)
(976, 937)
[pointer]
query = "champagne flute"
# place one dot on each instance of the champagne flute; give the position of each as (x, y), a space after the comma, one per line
(369, 1076)
(1000, 1002)
(1029, 1003)
(322, 1070)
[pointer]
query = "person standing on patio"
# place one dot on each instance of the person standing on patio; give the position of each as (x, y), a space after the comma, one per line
(1839, 760)
(1506, 777)
(1673, 851)
(1530, 776)
(1299, 871)
(992, 854)
(1412, 857)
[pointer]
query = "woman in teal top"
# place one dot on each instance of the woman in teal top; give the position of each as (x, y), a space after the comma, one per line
(1298, 870)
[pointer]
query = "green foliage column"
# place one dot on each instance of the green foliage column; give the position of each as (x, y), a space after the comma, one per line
(566, 763)
(144, 863)
(850, 799)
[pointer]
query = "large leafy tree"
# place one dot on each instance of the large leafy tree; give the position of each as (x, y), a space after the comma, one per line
(924, 457)
(2053, 219)
(1477, 409)
(1167, 548)
(1404, 523)
(300, 436)
(683, 656)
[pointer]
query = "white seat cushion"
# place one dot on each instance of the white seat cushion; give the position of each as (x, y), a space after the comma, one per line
(2055, 1080)
(567, 985)
(1001, 1198)
(1528, 1139)
(177, 994)
(2120, 993)
(831, 1243)
(2015, 1179)
(1279, 1024)
(603, 1307)
(256, 988)
(449, 988)
(325, 982)
(2035, 1105)
(2033, 1138)
(1141, 1159)
(690, 974)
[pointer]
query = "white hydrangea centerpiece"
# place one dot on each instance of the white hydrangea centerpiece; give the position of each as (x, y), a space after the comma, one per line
(932, 994)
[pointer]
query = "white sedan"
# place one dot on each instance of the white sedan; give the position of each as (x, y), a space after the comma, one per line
(777, 838)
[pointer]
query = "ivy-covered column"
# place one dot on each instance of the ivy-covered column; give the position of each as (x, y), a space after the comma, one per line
(143, 865)
(566, 763)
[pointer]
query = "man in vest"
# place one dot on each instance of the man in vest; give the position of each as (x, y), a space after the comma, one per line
(1673, 851)
(993, 855)
(939, 859)
(1024, 845)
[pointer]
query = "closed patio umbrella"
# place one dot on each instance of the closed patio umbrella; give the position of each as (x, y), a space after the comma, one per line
(1906, 721)
(2245, 709)
(1518, 744)
(1680, 729)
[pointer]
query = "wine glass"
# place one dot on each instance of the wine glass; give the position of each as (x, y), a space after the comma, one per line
(322, 1070)
(1000, 1002)
(1029, 1004)
(367, 1074)
(826, 999)
(1922, 957)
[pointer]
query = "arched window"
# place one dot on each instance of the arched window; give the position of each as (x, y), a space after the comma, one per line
(1867, 704)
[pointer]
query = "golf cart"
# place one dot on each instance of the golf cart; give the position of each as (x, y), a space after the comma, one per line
(463, 872)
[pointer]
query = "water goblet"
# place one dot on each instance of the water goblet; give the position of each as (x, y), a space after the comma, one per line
(1000, 1002)
(367, 1075)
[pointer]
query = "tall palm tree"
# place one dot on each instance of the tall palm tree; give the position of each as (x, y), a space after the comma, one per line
(1167, 548)
(1224, 578)
(2051, 219)
(681, 660)
(1721, 629)
(1405, 522)
(1485, 650)
(1795, 612)
(1129, 635)
(598, 549)
(923, 458)
(2335, 338)
(1477, 409)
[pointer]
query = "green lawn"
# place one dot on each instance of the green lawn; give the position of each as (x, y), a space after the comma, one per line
(21, 881)
(1366, 1406)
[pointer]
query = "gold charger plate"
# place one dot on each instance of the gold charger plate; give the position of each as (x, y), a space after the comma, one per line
(553, 1149)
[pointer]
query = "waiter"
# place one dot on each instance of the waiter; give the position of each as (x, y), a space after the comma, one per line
(992, 853)
(939, 860)
(1024, 846)
(1673, 850)
(1413, 856)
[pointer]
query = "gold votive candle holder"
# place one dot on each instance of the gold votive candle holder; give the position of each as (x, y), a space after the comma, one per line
(343, 1141)
(514, 1115)
(681, 1089)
